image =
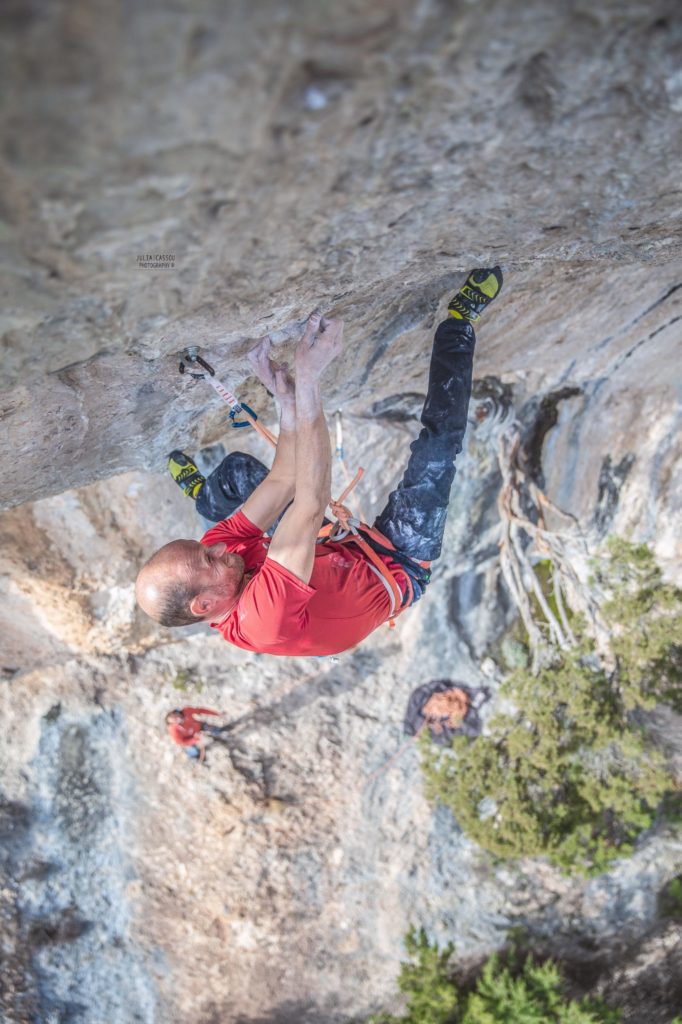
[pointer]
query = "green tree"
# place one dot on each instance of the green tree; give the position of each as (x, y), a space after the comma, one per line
(517, 992)
(567, 772)
(425, 983)
(645, 616)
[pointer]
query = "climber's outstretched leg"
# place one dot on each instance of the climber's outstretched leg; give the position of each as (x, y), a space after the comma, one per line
(221, 493)
(414, 517)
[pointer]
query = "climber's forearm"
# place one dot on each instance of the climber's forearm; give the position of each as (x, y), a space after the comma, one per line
(271, 497)
(313, 449)
(284, 464)
(293, 545)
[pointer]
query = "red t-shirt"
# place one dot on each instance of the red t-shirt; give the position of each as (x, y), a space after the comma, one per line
(185, 731)
(279, 614)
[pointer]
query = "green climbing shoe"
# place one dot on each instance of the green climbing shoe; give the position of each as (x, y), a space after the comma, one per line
(479, 289)
(185, 473)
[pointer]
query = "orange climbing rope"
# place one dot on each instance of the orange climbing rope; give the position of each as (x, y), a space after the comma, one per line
(347, 529)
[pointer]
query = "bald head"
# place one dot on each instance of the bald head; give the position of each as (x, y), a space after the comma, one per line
(164, 587)
(187, 582)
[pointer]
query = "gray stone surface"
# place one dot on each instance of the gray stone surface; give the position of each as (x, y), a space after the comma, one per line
(278, 882)
(290, 155)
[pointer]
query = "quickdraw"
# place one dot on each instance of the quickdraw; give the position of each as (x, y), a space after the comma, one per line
(192, 357)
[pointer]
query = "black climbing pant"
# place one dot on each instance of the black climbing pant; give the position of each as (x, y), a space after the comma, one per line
(415, 514)
(228, 486)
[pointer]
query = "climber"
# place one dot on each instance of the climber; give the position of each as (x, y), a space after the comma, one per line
(291, 595)
(186, 730)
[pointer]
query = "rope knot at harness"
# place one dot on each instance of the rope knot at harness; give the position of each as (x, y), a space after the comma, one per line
(347, 528)
(345, 518)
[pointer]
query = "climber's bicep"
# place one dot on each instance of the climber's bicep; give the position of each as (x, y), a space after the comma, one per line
(293, 545)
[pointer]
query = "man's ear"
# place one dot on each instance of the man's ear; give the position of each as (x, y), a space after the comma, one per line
(201, 605)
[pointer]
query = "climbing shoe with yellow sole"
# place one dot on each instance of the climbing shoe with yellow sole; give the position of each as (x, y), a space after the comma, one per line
(185, 473)
(479, 289)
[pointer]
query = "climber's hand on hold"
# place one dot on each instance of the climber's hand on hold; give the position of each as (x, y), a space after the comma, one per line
(321, 343)
(273, 375)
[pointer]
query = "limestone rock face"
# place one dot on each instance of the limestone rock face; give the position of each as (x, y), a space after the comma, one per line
(289, 155)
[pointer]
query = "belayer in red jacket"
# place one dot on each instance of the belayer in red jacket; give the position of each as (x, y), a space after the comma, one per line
(186, 730)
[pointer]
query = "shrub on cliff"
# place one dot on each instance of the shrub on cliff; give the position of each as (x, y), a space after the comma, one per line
(525, 992)
(645, 615)
(568, 772)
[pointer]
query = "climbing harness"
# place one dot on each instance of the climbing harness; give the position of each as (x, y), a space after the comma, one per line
(347, 529)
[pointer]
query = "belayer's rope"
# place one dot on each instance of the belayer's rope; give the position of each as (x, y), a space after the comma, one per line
(394, 757)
